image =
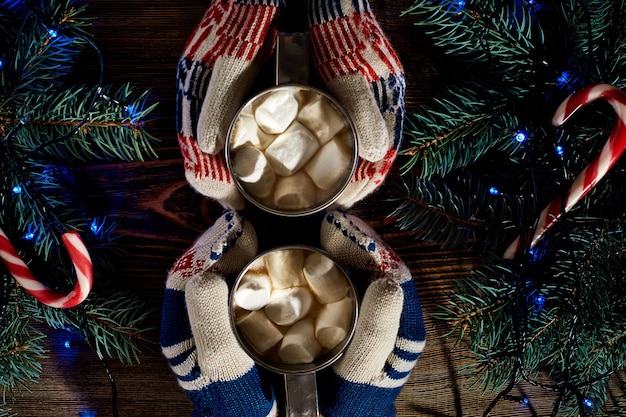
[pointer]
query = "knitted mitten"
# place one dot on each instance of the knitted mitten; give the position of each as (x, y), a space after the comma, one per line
(361, 69)
(196, 338)
(217, 67)
(390, 332)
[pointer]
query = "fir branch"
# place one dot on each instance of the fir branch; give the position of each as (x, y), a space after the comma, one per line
(477, 32)
(112, 131)
(111, 322)
(20, 347)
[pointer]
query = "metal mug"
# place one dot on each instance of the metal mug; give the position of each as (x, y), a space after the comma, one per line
(292, 73)
(299, 379)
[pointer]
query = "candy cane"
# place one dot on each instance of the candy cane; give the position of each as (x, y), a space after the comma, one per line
(22, 274)
(593, 172)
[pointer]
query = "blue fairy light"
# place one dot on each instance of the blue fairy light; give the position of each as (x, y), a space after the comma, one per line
(53, 32)
(87, 413)
(521, 137)
(560, 151)
(1, 64)
(525, 401)
(588, 402)
(564, 79)
(540, 301)
(494, 191)
(94, 226)
(29, 236)
(16, 189)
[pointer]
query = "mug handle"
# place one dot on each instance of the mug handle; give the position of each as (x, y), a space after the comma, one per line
(301, 395)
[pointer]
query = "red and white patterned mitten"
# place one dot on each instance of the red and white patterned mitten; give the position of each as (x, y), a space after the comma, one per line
(217, 68)
(361, 69)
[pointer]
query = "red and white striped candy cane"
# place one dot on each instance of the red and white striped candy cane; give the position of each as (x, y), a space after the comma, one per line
(589, 177)
(23, 275)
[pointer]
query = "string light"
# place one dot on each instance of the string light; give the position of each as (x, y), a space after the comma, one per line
(94, 226)
(560, 151)
(53, 33)
(588, 402)
(540, 301)
(29, 236)
(521, 137)
(564, 79)
(494, 191)
(16, 189)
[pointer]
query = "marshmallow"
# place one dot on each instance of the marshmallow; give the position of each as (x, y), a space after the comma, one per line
(325, 279)
(322, 118)
(329, 165)
(285, 268)
(253, 291)
(259, 331)
(252, 168)
(292, 149)
(276, 111)
(294, 192)
(299, 344)
(287, 306)
(246, 132)
(333, 321)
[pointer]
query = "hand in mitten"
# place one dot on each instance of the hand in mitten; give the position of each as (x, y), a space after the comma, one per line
(196, 338)
(361, 69)
(390, 332)
(218, 66)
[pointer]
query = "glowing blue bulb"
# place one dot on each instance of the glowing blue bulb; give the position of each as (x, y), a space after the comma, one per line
(1, 64)
(461, 3)
(541, 300)
(588, 402)
(94, 226)
(87, 413)
(564, 79)
(67, 344)
(29, 236)
(16, 189)
(494, 191)
(520, 137)
(525, 401)
(53, 33)
(531, 2)
(560, 151)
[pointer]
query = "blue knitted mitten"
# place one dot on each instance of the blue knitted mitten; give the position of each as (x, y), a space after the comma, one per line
(196, 338)
(390, 332)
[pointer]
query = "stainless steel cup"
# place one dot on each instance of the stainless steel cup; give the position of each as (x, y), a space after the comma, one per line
(300, 382)
(292, 73)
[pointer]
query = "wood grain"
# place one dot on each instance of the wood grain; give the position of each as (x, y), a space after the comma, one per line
(159, 216)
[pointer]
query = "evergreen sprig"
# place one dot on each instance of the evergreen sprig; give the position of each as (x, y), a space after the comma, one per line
(480, 162)
(51, 126)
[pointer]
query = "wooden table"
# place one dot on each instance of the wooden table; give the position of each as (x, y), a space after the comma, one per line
(160, 216)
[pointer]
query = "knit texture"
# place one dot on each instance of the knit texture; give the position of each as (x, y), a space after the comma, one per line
(196, 338)
(390, 334)
(218, 65)
(360, 67)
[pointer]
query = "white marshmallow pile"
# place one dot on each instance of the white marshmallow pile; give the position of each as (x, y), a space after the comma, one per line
(293, 305)
(291, 148)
